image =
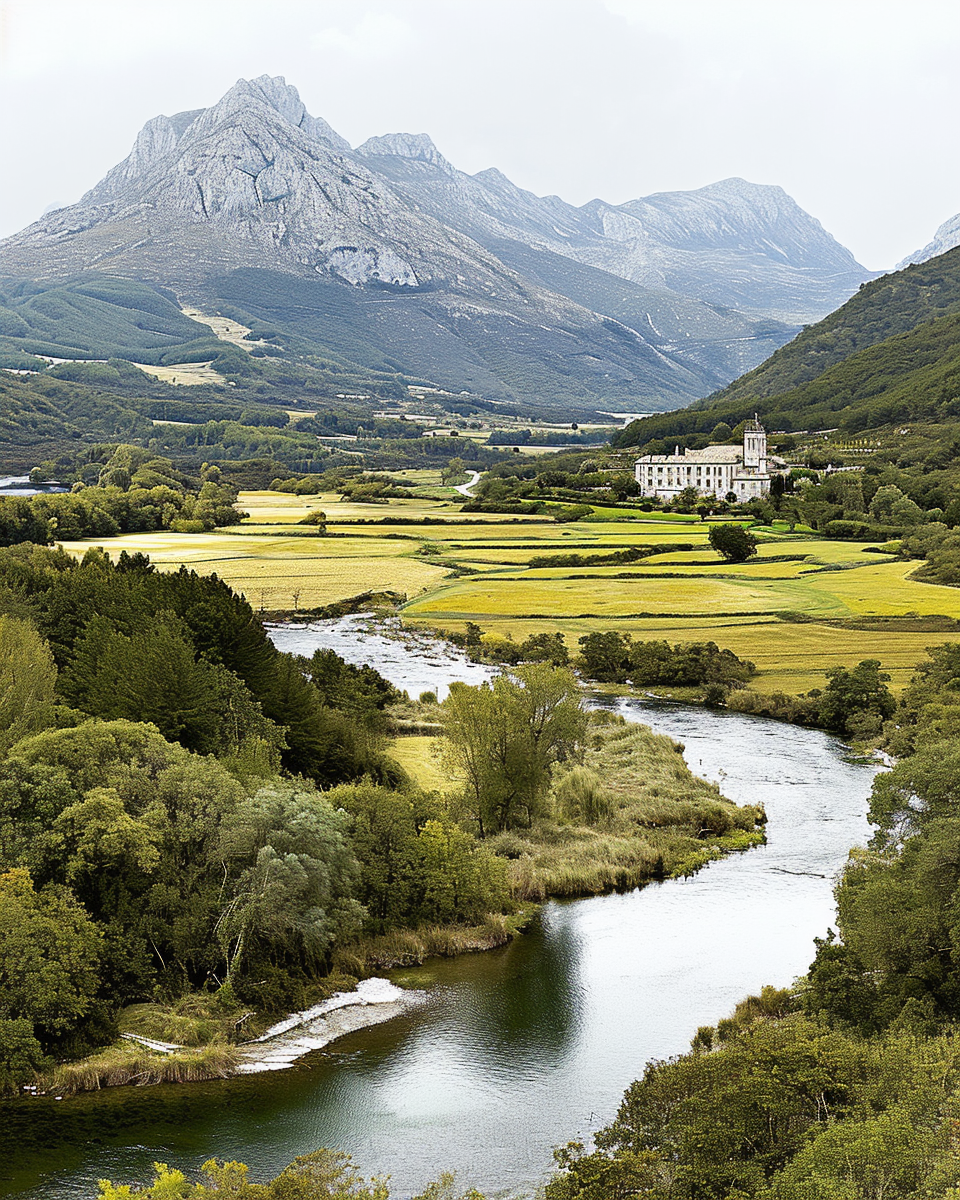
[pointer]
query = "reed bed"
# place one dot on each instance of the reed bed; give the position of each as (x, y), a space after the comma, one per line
(129, 1064)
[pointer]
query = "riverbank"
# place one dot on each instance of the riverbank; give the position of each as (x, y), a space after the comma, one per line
(630, 813)
(139, 1060)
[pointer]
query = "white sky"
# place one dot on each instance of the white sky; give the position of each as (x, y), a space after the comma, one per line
(850, 105)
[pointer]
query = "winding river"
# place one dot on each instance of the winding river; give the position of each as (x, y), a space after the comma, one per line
(520, 1049)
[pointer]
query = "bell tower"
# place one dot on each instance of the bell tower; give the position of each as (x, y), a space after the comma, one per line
(754, 444)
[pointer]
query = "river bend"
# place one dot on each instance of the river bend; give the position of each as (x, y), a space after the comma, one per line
(524, 1048)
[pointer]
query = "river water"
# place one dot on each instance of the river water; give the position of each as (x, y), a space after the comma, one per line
(519, 1049)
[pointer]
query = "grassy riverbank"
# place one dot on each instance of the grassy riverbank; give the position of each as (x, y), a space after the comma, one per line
(630, 813)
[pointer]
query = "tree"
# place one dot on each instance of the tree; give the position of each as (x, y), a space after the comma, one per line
(454, 468)
(890, 506)
(321, 1175)
(605, 656)
(28, 677)
(504, 738)
(858, 701)
(49, 959)
(735, 543)
(295, 877)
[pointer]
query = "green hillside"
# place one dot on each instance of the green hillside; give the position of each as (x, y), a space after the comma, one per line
(97, 316)
(42, 418)
(891, 354)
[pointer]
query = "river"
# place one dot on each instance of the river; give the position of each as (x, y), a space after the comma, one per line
(520, 1049)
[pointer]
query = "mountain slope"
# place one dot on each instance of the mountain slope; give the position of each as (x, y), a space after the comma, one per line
(388, 254)
(733, 243)
(95, 316)
(891, 354)
(946, 238)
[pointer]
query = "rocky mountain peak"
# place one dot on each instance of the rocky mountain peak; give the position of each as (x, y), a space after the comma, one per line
(250, 102)
(735, 213)
(454, 266)
(416, 146)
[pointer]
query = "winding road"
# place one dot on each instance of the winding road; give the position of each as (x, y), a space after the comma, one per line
(466, 489)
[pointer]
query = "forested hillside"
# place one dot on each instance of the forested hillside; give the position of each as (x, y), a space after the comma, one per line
(68, 421)
(891, 354)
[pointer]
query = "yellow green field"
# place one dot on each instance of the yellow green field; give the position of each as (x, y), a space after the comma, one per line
(417, 756)
(285, 573)
(454, 568)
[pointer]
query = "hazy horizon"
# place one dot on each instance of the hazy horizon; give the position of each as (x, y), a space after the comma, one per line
(843, 103)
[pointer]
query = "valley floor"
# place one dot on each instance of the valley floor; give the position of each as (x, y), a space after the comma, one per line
(803, 604)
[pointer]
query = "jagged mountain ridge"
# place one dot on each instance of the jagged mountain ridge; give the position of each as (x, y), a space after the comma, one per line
(257, 183)
(733, 243)
(946, 238)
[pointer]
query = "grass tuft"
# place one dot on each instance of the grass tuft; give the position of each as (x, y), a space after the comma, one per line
(125, 1063)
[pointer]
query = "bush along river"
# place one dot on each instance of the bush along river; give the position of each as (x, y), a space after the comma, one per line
(516, 1050)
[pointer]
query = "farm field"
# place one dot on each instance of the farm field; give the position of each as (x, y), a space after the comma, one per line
(285, 573)
(799, 607)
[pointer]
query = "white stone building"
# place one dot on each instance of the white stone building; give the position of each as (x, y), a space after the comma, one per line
(745, 470)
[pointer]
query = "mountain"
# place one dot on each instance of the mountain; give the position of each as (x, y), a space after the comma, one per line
(946, 237)
(737, 244)
(890, 355)
(392, 258)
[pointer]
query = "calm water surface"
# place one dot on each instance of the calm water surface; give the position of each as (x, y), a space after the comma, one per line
(523, 1048)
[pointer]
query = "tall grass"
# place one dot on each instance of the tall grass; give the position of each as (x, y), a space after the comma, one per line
(409, 947)
(127, 1063)
(631, 812)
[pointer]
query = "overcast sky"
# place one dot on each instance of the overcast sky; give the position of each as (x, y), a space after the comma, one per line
(850, 105)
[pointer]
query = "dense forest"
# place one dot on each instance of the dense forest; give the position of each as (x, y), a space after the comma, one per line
(59, 420)
(161, 827)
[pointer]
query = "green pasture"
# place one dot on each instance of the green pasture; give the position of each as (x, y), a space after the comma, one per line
(284, 572)
(473, 567)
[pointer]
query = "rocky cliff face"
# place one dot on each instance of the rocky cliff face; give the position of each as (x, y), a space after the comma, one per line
(256, 182)
(524, 293)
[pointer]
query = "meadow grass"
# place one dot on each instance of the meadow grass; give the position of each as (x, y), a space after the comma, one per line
(281, 508)
(284, 573)
(558, 596)
(415, 753)
(679, 595)
(885, 589)
(190, 374)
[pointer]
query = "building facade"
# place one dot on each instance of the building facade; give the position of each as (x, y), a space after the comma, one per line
(744, 471)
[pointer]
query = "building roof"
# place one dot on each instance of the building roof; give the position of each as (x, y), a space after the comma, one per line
(712, 455)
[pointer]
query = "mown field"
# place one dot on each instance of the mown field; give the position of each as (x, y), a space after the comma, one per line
(802, 605)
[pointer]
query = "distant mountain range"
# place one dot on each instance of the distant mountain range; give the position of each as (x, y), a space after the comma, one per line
(393, 260)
